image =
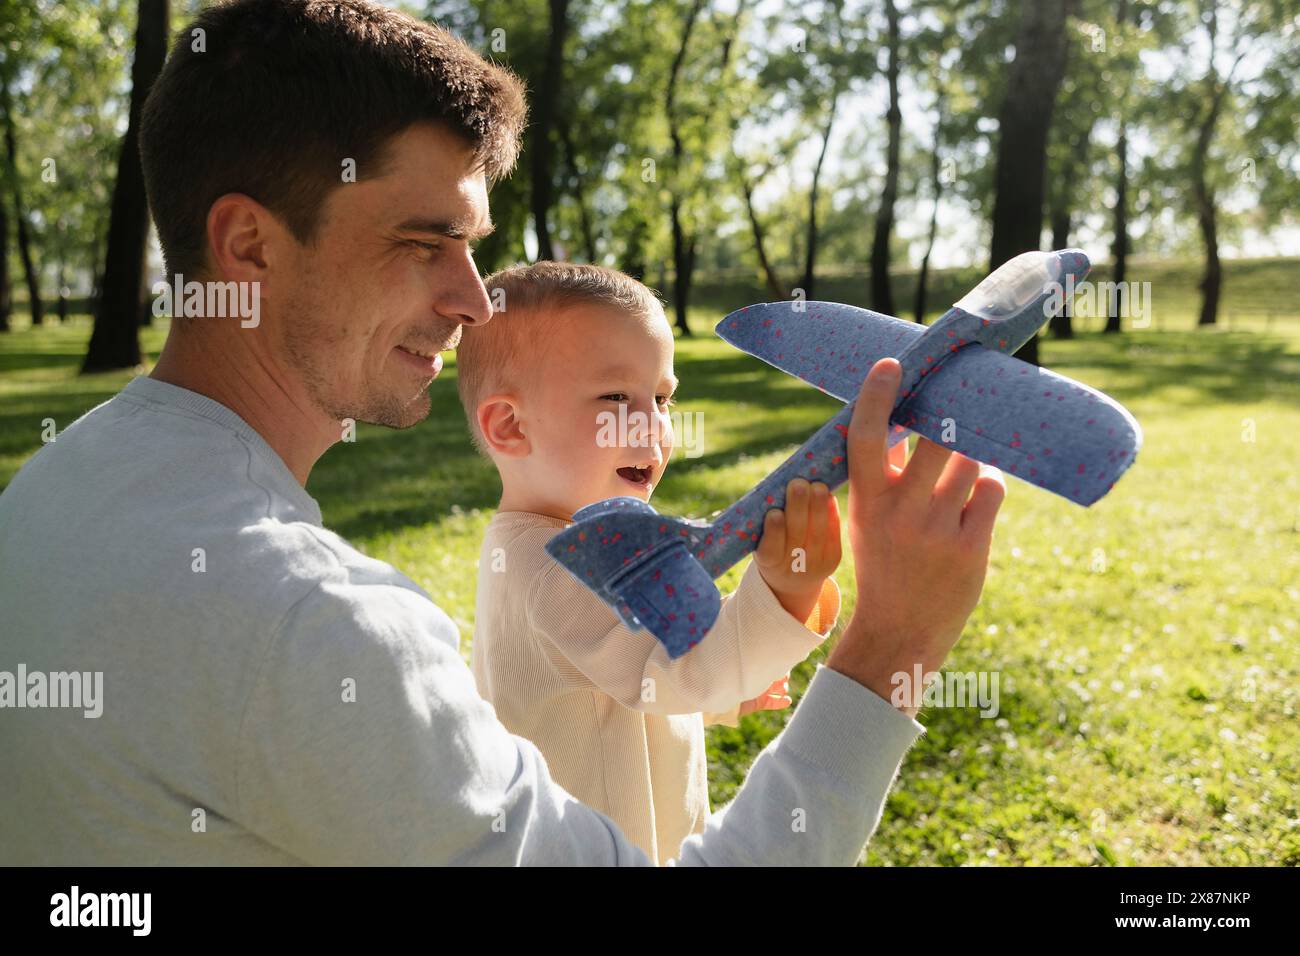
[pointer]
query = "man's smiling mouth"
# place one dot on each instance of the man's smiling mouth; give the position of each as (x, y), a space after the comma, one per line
(426, 358)
(425, 361)
(419, 352)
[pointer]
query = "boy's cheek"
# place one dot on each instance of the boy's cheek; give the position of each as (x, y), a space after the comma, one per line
(667, 441)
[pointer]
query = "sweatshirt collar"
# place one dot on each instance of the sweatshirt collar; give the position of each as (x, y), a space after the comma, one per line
(154, 392)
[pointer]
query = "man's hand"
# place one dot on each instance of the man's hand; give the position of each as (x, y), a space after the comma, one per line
(800, 547)
(920, 547)
(776, 697)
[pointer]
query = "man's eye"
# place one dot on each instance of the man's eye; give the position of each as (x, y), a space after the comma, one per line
(428, 248)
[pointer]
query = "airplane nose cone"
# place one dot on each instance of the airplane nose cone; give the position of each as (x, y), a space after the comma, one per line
(1016, 284)
(1074, 262)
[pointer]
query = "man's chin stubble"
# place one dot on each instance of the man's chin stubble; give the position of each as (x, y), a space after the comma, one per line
(393, 415)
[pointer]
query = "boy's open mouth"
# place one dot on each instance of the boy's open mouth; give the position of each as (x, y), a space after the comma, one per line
(637, 476)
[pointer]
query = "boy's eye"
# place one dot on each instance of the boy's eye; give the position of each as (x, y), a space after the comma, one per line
(663, 401)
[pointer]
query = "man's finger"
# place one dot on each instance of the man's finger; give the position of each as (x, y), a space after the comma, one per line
(897, 456)
(923, 470)
(982, 509)
(868, 462)
(953, 488)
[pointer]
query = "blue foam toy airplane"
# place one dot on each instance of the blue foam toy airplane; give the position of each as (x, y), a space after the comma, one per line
(961, 387)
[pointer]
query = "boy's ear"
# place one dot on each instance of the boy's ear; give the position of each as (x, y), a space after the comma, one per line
(501, 426)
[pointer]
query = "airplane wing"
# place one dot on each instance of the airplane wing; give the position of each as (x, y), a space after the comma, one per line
(1042, 427)
(961, 385)
(829, 345)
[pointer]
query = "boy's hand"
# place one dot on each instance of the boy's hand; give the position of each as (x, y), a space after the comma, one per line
(800, 546)
(776, 697)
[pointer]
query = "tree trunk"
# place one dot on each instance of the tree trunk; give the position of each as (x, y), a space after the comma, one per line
(20, 216)
(737, 165)
(144, 308)
(1212, 280)
(774, 286)
(882, 298)
(1119, 249)
(6, 291)
(936, 183)
(1023, 122)
(1059, 203)
(683, 247)
(634, 258)
(115, 341)
(1062, 323)
(544, 106)
(62, 279)
(810, 257)
(579, 195)
(96, 267)
(1211, 284)
(683, 268)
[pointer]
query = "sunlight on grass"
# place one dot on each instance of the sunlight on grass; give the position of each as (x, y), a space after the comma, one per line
(1146, 647)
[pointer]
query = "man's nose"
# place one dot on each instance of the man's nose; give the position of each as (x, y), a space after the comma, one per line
(462, 296)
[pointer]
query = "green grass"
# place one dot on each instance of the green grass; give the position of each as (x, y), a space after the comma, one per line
(1146, 647)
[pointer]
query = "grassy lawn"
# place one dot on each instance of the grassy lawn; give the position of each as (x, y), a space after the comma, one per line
(1146, 647)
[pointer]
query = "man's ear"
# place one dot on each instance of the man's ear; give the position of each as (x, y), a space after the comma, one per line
(243, 239)
(502, 427)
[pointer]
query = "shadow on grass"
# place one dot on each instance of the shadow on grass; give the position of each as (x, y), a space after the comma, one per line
(389, 479)
(18, 361)
(1205, 366)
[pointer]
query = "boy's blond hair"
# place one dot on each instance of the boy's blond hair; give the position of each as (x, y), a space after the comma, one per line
(528, 303)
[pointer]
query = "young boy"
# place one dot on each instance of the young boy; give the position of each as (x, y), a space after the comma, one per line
(620, 724)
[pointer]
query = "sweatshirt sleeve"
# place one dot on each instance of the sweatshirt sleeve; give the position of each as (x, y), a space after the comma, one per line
(364, 742)
(815, 795)
(753, 642)
(821, 621)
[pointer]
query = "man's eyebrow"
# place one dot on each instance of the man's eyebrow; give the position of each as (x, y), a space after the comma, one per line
(451, 229)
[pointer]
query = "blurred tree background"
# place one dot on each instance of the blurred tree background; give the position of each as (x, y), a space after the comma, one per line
(755, 146)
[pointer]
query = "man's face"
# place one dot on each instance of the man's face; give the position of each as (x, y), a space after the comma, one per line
(598, 418)
(388, 281)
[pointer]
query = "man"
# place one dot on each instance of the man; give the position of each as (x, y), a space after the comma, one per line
(271, 695)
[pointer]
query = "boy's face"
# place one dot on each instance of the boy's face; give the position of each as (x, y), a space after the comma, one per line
(598, 419)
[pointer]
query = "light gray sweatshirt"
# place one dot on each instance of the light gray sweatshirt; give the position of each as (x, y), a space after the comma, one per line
(270, 695)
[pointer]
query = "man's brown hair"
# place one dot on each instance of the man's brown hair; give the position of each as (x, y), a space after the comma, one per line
(528, 301)
(281, 92)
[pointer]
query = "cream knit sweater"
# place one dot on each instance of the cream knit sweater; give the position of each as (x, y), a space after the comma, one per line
(620, 724)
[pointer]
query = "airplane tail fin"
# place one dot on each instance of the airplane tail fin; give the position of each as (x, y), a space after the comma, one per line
(643, 565)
